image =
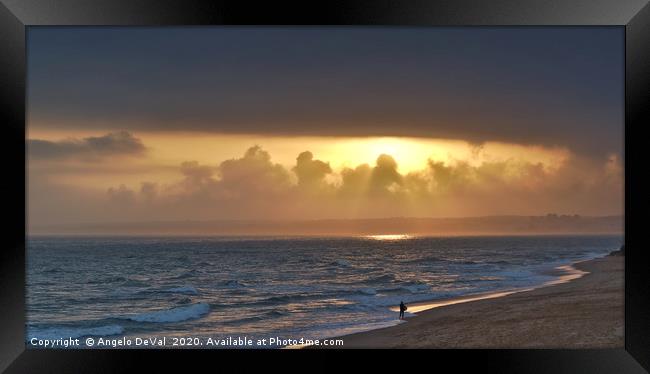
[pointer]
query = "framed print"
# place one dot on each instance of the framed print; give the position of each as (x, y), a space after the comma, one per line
(451, 183)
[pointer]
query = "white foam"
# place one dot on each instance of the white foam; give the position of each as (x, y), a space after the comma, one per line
(415, 288)
(179, 314)
(71, 332)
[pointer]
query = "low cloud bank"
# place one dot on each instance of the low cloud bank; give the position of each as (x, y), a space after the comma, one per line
(255, 187)
(91, 148)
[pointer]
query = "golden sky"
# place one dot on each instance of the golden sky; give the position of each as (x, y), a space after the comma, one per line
(142, 124)
(165, 151)
(199, 176)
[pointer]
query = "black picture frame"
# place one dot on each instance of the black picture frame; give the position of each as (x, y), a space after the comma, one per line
(17, 15)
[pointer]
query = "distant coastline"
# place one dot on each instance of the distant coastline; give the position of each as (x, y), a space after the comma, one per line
(486, 225)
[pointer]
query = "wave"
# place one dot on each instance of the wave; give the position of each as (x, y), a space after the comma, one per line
(340, 263)
(283, 299)
(232, 283)
(368, 291)
(115, 279)
(147, 292)
(52, 270)
(499, 262)
(187, 290)
(426, 259)
(261, 317)
(394, 300)
(468, 262)
(72, 332)
(134, 283)
(183, 258)
(307, 297)
(386, 278)
(179, 314)
(187, 274)
(417, 288)
(401, 288)
(354, 294)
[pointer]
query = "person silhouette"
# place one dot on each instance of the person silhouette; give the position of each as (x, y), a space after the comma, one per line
(402, 308)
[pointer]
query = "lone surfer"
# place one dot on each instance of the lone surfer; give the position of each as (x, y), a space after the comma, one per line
(402, 308)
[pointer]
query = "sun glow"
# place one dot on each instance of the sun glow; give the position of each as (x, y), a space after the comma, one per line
(411, 154)
(389, 237)
(165, 151)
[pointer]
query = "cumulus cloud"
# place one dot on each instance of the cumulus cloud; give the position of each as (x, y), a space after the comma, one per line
(90, 148)
(239, 186)
(149, 191)
(253, 176)
(461, 176)
(197, 177)
(310, 172)
(253, 186)
(382, 178)
(384, 174)
(121, 195)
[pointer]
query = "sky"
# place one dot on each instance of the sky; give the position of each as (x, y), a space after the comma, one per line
(200, 123)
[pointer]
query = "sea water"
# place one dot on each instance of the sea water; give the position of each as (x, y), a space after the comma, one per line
(280, 287)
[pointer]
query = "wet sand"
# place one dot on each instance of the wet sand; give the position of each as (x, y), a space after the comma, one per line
(583, 312)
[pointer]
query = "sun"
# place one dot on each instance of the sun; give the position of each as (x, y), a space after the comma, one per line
(410, 154)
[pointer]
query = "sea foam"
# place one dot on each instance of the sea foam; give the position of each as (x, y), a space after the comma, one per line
(178, 314)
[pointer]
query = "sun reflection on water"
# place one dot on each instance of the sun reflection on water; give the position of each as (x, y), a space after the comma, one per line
(388, 237)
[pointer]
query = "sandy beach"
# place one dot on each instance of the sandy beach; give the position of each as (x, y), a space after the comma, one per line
(587, 312)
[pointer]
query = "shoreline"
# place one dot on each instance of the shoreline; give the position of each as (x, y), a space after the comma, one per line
(562, 273)
(572, 285)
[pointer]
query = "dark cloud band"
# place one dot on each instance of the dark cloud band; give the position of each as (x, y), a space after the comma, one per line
(546, 86)
(90, 148)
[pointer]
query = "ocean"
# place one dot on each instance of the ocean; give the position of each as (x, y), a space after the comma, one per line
(281, 287)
